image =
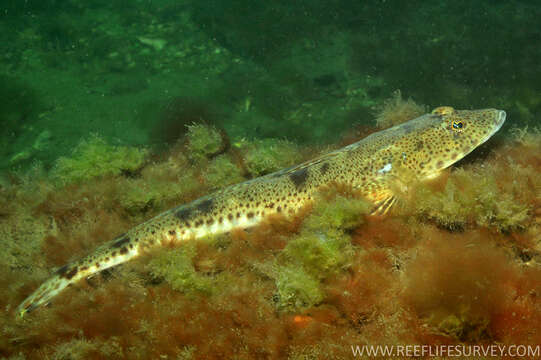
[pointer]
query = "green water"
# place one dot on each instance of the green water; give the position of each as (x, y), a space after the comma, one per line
(136, 72)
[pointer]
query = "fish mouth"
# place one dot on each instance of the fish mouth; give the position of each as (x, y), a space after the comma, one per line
(500, 119)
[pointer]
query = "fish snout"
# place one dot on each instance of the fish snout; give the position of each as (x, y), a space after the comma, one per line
(500, 118)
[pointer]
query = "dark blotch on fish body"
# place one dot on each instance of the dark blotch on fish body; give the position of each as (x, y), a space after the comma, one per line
(121, 242)
(299, 177)
(187, 212)
(70, 274)
(205, 206)
(324, 168)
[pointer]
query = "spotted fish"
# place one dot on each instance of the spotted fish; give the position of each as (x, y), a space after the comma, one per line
(421, 147)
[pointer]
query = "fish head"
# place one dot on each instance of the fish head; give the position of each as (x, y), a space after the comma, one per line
(437, 140)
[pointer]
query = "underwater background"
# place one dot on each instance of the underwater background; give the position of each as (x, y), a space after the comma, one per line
(114, 111)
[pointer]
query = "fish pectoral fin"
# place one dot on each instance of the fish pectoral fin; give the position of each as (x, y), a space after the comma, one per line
(384, 205)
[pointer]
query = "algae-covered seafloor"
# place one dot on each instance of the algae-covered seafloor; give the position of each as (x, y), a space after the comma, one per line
(114, 111)
(457, 261)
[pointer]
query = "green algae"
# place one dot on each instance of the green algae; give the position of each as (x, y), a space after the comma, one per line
(322, 249)
(396, 110)
(296, 289)
(203, 142)
(94, 158)
(338, 213)
(177, 269)
(473, 197)
(222, 172)
(268, 155)
(320, 254)
(141, 195)
(464, 325)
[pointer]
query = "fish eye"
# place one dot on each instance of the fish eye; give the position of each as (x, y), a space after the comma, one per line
(457, 125)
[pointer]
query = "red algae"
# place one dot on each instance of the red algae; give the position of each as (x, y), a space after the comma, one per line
(360, 293)
(457, 282)
(419, 275)
(384, 232)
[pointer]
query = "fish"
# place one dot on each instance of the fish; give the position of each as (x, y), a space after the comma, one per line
(420, 148)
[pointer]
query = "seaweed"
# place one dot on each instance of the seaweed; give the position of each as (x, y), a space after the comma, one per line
(458, 283)
(396, 110)
(321, 250)
(262, 157)
(478, 196)
(159, 185)
(222, 171)
(204, 142)
(177, 269)
(335, 211)
(320, 254)
(94, 158)
(296, 289)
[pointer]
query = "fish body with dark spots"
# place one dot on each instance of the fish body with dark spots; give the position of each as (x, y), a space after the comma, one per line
(420, 148)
